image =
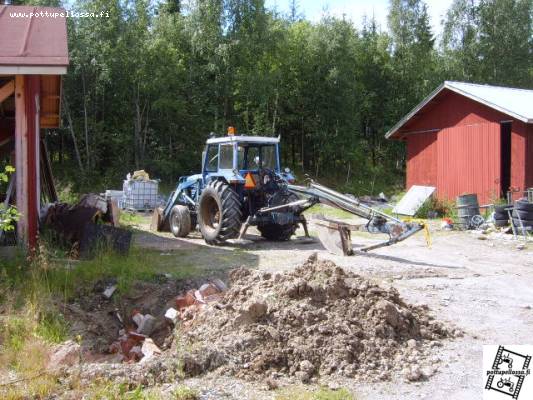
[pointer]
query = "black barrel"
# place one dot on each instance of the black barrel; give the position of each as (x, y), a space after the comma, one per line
(467, 207)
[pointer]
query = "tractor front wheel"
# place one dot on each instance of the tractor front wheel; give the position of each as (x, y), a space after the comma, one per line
(219, 216)
(180, 221)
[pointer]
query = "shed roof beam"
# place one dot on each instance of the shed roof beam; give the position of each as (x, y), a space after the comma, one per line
(7, 90)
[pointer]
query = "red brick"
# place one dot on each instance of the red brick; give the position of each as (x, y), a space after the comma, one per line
(127, 345)
(185, 301)
(136, 337)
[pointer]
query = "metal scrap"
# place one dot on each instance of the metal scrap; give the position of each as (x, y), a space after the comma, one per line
(83, 225)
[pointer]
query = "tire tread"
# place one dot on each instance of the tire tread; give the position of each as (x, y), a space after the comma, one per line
(231, 213)
(185, 220)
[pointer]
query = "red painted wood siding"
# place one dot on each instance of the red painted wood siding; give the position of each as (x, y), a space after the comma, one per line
(529, 157)
(451, 109)
(518, 156)
(422, 156)
(464, 156)
(468, 161)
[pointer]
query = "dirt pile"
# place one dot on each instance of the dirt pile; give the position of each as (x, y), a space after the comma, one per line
(315, 320)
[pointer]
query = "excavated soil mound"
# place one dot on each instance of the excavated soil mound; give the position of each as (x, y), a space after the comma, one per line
(315, 320)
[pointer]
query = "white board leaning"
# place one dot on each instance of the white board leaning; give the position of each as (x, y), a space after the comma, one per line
(413, 200)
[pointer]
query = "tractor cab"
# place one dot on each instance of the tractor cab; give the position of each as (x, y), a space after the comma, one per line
(242, 160)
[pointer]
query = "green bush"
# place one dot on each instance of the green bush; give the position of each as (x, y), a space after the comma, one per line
(8, 215)
(442, 208)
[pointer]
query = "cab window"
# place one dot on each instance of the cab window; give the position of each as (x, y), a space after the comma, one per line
(268, 157)
(253, 157)
(226, 156)
(211, 164)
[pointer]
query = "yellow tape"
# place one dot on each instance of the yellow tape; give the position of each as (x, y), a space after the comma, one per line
(427, 233)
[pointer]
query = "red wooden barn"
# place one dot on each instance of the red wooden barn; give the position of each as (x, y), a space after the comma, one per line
(33, 56)
(469, 138)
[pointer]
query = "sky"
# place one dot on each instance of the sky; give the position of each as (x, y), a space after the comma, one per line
(356, 9)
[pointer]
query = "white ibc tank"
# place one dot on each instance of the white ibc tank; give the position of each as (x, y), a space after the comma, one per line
(140, 194)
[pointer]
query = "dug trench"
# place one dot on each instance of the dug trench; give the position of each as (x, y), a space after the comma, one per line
(100, 317)
(314, 321)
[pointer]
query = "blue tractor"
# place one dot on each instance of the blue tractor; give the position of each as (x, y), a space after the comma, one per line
(241, 184)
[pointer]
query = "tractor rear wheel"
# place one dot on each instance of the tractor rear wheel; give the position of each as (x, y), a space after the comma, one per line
(180, 221)
(277, 232)
(219, 216)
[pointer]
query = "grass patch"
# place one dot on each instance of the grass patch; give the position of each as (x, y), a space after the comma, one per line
(185, 393)
(113, 391)
(128, 218)
(24, 352)
(65, 278)
(300, 393)
(36, 387)
(330, 212)
(52, 327)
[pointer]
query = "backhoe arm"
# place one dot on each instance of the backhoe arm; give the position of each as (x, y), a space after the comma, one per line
(378, 221)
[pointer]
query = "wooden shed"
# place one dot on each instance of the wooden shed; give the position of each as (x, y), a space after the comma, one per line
(33, 56)
(470, 138)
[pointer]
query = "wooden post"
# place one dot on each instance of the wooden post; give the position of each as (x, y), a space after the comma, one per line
(27, 90)
(32, 89)
(21, 158)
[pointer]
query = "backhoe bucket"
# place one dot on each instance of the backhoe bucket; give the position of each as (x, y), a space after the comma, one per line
(159, 223)
(336, 238)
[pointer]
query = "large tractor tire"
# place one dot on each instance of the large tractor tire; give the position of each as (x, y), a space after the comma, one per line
(219, 216)
(522, 214)
(277, 232)
(180, 221)
(523, 205)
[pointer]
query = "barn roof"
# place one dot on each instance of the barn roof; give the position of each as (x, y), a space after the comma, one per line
(517, 103)
(33, 40)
